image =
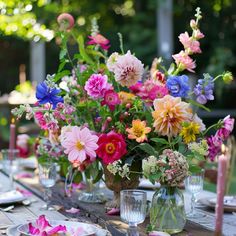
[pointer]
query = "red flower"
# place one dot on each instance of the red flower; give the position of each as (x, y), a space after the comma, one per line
(111, 148)
(66, 21)
(100, 40)
(111, 99)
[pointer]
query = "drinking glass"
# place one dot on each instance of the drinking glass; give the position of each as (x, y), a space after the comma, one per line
(10, 163)
(133, 204)
(47, 178)
(194, 185)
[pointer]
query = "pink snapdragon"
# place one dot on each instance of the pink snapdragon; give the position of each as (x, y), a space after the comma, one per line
(189, 43)
(226, 129)
(100, 40)
(184, 61)
(97, 85)
(111, 99)
(41, 120)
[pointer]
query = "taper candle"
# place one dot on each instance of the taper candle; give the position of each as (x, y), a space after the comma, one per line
(12, 140)
(221, 174)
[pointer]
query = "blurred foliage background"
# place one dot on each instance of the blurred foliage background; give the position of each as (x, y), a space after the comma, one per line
(22, 21)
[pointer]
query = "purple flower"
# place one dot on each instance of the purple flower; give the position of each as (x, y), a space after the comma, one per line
(204, 89)
(178, 85)
(214, 146)
(45, 94)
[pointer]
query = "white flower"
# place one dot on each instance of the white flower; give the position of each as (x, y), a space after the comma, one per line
(201, 147)
(117, 168)
(149, 165)
(128, 70)
(198, 120)
(112, 61)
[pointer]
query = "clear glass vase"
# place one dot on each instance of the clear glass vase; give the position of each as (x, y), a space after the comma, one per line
(91, 193)
(167, 212)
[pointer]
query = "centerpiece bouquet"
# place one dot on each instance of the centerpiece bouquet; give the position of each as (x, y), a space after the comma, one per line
(108, 115)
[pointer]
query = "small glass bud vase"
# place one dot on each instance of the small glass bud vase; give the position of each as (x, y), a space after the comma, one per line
(167, 211)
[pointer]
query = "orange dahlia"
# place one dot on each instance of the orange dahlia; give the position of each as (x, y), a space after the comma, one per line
(138, 131)
(170, 112)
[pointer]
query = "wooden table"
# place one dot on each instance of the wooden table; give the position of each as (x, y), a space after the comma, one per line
(95, 213)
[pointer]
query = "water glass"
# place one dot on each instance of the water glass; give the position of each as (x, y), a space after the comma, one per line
(194, 185)
(133, 204)
(10, 162)
(47, 178)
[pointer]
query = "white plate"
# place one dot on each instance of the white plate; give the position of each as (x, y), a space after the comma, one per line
(29, 163)
(228, 201)
(10, 197)
(90, 229)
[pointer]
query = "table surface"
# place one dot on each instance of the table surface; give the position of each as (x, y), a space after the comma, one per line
(95, 213)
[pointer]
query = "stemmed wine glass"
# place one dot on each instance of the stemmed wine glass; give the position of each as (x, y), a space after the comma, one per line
(10, 164)
(47, 178)
(133, 204)
(194, 185)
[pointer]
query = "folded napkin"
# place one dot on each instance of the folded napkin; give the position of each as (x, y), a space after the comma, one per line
(228, 201)
(11, 196)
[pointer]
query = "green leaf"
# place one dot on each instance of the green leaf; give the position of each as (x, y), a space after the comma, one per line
(160, 140)
(61, 74)
(82, 50)
(147, 148)
(198, 105)
(95, 53)
(98, 176)
(61, 66)
(194, 168)
(62, 54)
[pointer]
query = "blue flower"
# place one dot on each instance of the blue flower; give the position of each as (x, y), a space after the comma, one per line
(178, 85)
(204, 89)
(45, 94)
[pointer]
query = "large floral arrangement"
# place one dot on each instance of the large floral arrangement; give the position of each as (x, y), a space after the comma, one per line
(109, 109)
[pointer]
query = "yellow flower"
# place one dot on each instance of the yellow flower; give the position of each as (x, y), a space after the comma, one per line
(170, 112)
(138, 131)
(126, 97)
(189, 132)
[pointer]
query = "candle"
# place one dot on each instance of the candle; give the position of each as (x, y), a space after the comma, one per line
(219, 210)
(12, 141)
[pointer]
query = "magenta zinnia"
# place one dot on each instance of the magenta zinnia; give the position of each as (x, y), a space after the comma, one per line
(79, 144)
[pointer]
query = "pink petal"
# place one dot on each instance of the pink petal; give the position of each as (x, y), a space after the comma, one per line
(58, 228)
(24, 175)
(73, 210)
(79, 186)
(33, 230)
(42, 222)
(26, 193)
(114, 212)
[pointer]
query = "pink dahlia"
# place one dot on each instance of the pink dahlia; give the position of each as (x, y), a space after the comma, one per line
(128, 70)
(111, 148)
(189, 43)
(97, 85)
(66, 21)
(184, 61)
(100, 40)
(111, 99)
(79, 144)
